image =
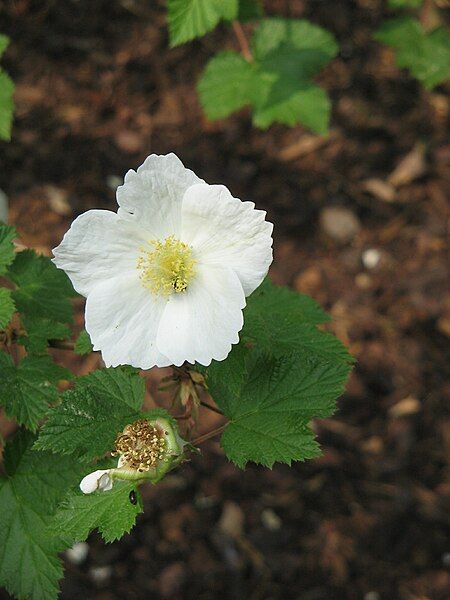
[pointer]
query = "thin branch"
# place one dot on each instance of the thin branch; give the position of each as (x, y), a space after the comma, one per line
(211, 407)
(426, 14)
(242, 40)
(208, 435)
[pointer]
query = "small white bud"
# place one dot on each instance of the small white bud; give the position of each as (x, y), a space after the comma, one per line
(98, 480)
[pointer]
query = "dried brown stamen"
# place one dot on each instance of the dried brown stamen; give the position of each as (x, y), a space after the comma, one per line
(141, 445)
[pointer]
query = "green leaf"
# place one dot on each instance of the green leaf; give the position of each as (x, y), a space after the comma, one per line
(426, 55)
(405, 3)
(34, 485)
(280, 321)
(233, 370)
(249, 10)
(110, 512)
(228, 8)
(4, 43)
(283, 303)
(43, 290)
(294, 45)
(271, 411)
(6, 98)
(291, 105)
(7, 307)
(228, 83)
(189, 19)
(290, 53)
(27, 389)
(6, 105)
(83, 345)
(278, 82)
(91, 415)
(7, 235)
(39, 332)
(400, 32)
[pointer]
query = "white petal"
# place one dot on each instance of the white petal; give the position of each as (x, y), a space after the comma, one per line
(98, 246)
(202, 323)
(105, 482)
(98, 480)
(226, 231)
(122, 318)
(153, 195)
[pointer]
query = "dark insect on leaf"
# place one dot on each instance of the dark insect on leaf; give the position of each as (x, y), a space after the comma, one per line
(133, 498)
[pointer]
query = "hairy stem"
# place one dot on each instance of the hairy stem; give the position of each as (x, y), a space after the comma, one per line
(242, 40)
(209, 435)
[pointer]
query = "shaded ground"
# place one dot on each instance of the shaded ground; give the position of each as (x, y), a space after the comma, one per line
(98, 90)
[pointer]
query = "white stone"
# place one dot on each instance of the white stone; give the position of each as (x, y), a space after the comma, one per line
(371, 258)
(78, 553)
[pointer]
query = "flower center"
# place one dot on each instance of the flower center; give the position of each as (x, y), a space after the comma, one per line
(141, 445)
(168, 267)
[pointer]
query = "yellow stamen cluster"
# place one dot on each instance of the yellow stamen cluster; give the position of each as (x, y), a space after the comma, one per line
(141, 445)
(168, 267)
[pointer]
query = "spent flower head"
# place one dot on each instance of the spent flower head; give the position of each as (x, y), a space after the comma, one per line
(147, 450)
(166, 277)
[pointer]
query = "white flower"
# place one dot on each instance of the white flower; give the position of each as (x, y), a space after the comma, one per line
(167, 275)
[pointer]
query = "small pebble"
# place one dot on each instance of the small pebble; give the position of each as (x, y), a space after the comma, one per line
(231, 522)
(404, 408)
(100, 575)
(371, 258)
(58, 200)
(270, 520)
(340, 223)
(78, 553)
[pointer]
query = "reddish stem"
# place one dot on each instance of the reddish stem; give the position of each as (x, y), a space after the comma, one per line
(211, 407)
(243, 42)
(425, 14)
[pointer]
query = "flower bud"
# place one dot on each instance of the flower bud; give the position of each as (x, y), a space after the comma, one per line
(98, 480)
